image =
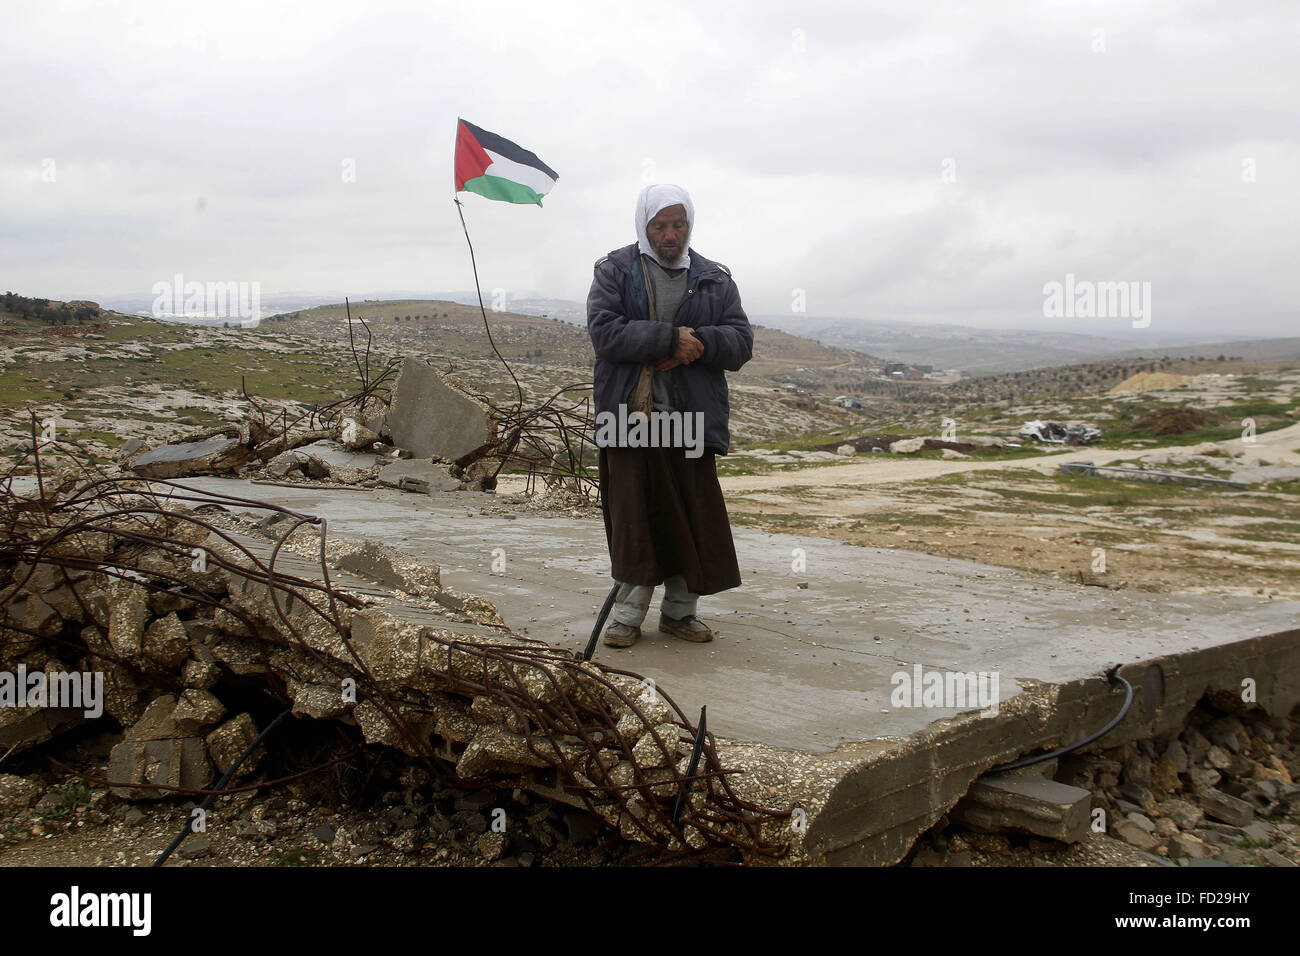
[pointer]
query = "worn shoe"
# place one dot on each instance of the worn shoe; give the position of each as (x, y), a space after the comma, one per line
(689, 628)
(621, 635)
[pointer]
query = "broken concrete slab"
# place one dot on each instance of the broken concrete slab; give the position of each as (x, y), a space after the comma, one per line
(1229, 809)
(192, 458)
(173, 762)
(868, 776)
(280, 443)
(334, 454)
(425, 477)
(1028, 804)
(434, 420)
(385, 566)
(24, 727)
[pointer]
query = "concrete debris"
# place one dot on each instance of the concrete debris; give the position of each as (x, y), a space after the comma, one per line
(24, 728)
(434, 420)
(443, 665)
(1229, 809)
(1241, 820)
(1030, 804)
(212, 457)
(173, 762)
(426, 477)
(231, 739)
(355, 436)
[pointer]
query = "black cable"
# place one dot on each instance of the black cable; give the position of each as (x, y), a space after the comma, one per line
(600, 621)
(1113, 676)
(207, 801)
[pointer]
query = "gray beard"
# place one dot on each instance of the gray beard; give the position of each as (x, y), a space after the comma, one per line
(673, 262)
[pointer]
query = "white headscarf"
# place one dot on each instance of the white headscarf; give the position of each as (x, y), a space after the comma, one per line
(652, 200)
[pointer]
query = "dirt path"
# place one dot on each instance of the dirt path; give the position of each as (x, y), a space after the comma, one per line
(878, 469)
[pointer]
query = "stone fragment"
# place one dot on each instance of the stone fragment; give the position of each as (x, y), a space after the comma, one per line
(128, 610)
(231, 739)
(906, 446)
(1186, 845)
(201, 675)
(157, 722)
(491, 845)
(196, 710)
(1203, 778)
(1229, 809)
(1143, 821)
(174, 762)
(1029, 804)
(1133, 835)
(419, 475)
(166, 643)
(1183, 812)
(355, 436)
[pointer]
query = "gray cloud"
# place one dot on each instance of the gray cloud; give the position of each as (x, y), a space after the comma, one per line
(210, 139)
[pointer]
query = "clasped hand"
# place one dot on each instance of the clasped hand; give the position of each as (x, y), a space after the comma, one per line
(689, 348)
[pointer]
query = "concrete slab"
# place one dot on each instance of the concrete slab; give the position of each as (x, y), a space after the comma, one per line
(811, 649)
(432, 419)
(801, 660)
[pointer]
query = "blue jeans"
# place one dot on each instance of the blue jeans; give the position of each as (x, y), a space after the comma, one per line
(633, 601)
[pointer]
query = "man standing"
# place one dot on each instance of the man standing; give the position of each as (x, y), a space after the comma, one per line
(665, 323)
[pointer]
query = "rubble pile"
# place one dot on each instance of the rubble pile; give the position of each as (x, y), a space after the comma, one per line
(1223, 791)
(181, 620)
(425, 436)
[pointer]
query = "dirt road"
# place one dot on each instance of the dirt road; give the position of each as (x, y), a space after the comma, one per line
(878, 469)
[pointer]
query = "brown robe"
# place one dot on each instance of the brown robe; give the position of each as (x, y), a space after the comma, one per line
(664, 515)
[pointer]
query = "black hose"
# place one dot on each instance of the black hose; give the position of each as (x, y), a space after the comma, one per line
(207, 801)
(1113, 676)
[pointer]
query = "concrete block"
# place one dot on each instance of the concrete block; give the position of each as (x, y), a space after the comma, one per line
(215, 456)
(432, 419)
(426, 477)
(177, 762)
(1029, 804)
(1230, 810)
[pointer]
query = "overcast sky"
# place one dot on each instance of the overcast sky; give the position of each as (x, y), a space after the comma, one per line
(920, 161)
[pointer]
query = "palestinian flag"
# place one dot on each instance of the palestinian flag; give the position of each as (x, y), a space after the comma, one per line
(496, 168)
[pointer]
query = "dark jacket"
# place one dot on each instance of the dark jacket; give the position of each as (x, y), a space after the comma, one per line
(625, 337)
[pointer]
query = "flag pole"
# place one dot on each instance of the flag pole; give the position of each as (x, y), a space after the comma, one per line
(460, 208)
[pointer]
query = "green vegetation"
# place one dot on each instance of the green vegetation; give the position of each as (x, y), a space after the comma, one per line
(25, 311)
